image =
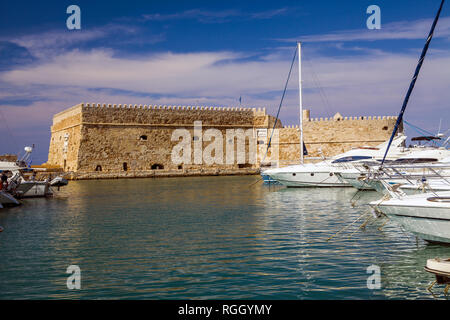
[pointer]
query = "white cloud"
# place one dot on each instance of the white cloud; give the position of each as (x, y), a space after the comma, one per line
(417, 29)
(205, 16)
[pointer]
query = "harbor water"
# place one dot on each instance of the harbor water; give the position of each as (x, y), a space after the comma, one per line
(207, 238)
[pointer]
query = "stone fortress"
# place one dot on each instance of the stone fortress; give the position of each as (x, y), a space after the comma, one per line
(113, 141)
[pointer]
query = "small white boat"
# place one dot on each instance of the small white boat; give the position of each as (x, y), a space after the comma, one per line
(441, 269)
(38, 189)
(427, 215)
(59, 182)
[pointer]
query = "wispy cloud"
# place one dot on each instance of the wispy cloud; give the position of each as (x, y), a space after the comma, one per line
(205, 16)
(52, 42)
(417, 29)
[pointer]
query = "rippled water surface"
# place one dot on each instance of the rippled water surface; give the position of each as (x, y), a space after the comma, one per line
(206, 238)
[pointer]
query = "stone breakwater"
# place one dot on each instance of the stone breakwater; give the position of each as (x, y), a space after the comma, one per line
(157, 174)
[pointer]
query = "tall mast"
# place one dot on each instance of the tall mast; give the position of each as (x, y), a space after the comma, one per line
(299, 46)
(413, 80)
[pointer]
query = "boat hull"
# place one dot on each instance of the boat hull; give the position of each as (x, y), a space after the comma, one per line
(39, 189)
(429, 223)
(309, 179)
(355, 180)
(7, 199)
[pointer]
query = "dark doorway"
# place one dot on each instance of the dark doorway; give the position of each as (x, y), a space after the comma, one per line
(98, 168)
(125, 166)
(157, 166)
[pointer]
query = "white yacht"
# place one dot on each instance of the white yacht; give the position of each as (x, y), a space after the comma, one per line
(419, 163)
(427, 215)
(322, 174)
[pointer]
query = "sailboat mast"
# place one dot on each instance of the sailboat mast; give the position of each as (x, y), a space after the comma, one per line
(299, 47)
(413, 80)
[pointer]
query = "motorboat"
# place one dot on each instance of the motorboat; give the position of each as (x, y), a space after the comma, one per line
(427, 215)
(29, 187)
(418, 164)
(441, 269)
(322, 174)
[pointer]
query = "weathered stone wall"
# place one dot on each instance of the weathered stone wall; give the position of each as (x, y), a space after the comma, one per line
(115, 138)
(330, 136)
(123, 140)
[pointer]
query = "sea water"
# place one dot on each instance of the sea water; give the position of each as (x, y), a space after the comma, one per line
(208, 238)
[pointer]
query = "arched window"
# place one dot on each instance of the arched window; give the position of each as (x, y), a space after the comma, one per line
(157, 166)
(98, 168)
(125, 166)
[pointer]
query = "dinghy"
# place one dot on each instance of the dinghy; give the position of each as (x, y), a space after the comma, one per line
(441, 269)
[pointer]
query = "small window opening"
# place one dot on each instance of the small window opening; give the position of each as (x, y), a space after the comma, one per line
(98, 168)
(143, 137)
(125, 166)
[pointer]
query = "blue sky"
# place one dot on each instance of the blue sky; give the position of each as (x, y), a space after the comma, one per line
(211, 53)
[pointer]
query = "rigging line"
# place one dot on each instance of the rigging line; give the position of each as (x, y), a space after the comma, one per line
(322, 94)
(413, 81)
(281, 103)
(418, 128)
(421, 131)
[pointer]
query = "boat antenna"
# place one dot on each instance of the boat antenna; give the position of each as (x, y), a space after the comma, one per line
(413, 81)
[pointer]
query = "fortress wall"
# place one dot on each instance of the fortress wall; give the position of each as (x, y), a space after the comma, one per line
(120, 145)
(334, 136)
(66, 138)
(90, 135)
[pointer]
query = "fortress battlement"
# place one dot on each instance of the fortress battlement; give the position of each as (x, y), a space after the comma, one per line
(353, 118)
(133, 113)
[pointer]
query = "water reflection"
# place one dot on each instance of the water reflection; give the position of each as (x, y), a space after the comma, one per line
(209, 238)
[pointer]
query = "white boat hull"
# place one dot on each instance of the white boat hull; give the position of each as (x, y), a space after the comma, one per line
(355, 180)
(309, 179)
(426, 219)
(7, 199)
(39, 189)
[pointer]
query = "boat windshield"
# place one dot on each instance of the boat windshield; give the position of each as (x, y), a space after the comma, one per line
(415, 160)
(351, 158)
